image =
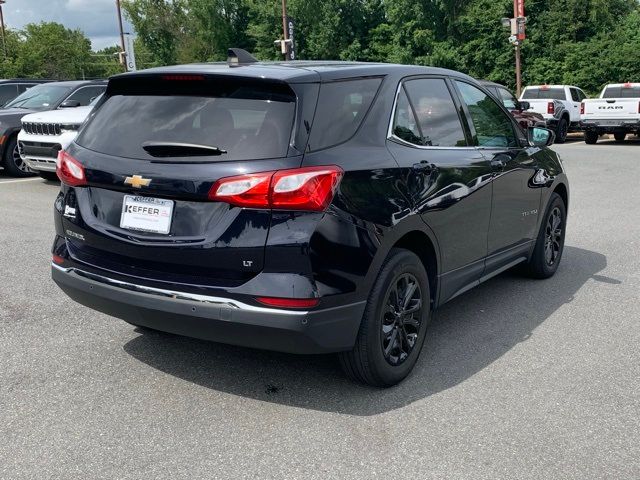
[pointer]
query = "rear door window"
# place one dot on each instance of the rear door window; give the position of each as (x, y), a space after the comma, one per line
(85, 95)
(342, 106)
(426, 115)
(235, 122)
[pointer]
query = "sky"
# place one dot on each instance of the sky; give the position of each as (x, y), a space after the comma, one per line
(96, 18)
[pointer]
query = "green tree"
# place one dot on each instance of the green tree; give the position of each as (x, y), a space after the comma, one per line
(49, 50)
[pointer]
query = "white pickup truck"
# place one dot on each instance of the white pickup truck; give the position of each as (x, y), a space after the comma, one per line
(616, 111)
(558, 104)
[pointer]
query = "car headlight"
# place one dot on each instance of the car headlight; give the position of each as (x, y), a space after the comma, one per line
(69, 128)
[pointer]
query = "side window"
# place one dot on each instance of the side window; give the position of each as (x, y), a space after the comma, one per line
(508, 100)
(23, 87)
(86, 94)
(492, 124)
(581, 94)
(575, 96)
(8, 92)
(430, 115)
(342, 106)
(405, 126)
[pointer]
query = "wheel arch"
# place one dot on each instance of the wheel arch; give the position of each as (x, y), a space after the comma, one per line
(561, 189)
(418, 242)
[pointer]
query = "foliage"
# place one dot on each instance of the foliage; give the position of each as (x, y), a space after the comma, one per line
(583, 42)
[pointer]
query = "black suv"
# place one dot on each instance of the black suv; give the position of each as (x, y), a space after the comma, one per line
(305, 207)
(11, 88)
(47, 96)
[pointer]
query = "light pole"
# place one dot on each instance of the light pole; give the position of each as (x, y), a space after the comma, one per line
(122, 57)
(4, 42)
(516, 24)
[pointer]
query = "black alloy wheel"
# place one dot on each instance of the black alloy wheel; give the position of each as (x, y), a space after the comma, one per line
(401, 319)
(393, 326)
(553, 237)
(547, 252)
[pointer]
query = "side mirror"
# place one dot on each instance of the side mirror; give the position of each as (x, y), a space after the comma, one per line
(540, 137)
(70, 104)
(524, 105)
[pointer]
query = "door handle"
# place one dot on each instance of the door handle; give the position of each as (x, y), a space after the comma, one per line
(424, 167)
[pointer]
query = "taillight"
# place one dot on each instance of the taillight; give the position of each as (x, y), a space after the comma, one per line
(582, 108)
(57, 259)
(69, 170)
(288, 302)
(551, 108)
(309, 188)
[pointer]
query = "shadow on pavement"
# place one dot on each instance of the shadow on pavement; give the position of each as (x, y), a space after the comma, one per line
(466, 335)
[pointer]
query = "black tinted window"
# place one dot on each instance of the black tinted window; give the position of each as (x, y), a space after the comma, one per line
(405, 125)
(244, 123)
(622, 92)
(341, 108)
(550, 93)
(507, 98)
(493, 126)
(84, 95)
(23, 87)
(7, 92)
(434, 114)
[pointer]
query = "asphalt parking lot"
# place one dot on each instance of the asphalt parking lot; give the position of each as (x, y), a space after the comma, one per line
(519, 378)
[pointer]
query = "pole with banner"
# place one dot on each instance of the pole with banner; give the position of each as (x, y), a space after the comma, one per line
(291, 47)
(130, 55)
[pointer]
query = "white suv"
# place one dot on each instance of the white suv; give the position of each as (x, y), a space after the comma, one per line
(44, 134)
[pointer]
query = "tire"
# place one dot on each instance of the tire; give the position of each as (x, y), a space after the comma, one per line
(562, 130)
(383, 354)
(547, 252)
(590, 137)
(49, 176)
(619, 137)
(12, 163)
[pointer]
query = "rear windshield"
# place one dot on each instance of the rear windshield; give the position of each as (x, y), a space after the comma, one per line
(621, 92)
(239, 123)
(551, 93)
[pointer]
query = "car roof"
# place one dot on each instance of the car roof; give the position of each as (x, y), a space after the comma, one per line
(78, 83)
(298, 71)
(24, 80)
(544, 86)
(489, 83)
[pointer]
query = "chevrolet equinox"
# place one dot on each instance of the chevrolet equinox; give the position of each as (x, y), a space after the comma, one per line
(304, 207)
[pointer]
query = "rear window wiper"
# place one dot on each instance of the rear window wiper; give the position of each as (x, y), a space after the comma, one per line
(176, 149)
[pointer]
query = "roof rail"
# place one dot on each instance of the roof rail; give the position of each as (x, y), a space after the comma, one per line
(239, 56)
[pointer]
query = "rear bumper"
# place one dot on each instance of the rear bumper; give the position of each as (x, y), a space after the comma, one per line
(612, 125)
(217, 319)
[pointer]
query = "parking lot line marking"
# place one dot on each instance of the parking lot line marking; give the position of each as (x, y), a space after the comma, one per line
(2, 182)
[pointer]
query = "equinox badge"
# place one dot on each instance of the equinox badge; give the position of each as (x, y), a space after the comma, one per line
(137, 181)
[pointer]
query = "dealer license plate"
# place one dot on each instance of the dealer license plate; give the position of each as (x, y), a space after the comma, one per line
(146, 214)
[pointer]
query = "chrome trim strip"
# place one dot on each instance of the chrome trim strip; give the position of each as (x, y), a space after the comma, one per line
(194, 297)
